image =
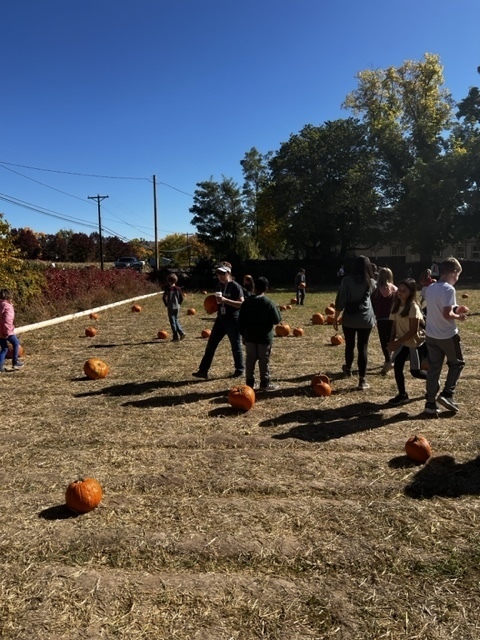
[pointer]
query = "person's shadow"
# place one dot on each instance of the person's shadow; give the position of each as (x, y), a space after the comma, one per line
(442, 476)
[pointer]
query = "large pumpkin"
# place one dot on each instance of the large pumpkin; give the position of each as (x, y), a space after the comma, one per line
(162, 334)
(83, 495)
(94, 368)
(418, 449)
(298, 332)
(320, 377)
(241, 397)
(90, 332)
(136, 308)
(336, 339)
(317, 318)
(206, 333)
(282, 330)
(210, 304)
(9, 355)
(322, 389)
(330, 320)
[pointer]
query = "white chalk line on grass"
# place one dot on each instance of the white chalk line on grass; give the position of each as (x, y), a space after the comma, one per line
(80, 314)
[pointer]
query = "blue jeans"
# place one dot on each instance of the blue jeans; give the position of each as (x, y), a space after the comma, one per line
(220, 329)
(4, 348)
(175, 323)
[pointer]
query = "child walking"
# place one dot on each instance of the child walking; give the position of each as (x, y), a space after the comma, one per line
(172, 299)
(443, 339)
(257, 317)
(7, 330)
(407, 339)
(382, 300)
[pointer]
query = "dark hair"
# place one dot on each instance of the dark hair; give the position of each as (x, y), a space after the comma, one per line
(248, 282)
(411, 285)
(172, 278)
(362, 271)
(5, 294)
(261, 284)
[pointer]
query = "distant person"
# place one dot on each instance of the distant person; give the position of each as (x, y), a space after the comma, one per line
(354, 302)
(407, 337)
(7, 331)
(248, 286)
(258, 315)
(435, 270)
(443, 339)
(300, 286)
(172, 299)
(382, 299)
(341, 272)
(229, 296)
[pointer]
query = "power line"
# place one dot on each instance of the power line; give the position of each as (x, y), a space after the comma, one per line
(71, 173)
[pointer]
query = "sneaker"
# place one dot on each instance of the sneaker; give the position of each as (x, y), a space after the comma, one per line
(447, 402)
(431, 408)
(237, 373)
(174, 340)
(182, 337)
(388, 366)
(362, 385)
(346, 372)
(401, 398)
(270, 387)
(200, 374)
(18, 364)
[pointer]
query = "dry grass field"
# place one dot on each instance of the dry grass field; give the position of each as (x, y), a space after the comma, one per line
(301, 518)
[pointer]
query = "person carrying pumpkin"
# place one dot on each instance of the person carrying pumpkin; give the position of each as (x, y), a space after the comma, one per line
(7, 330)
(258, 315)
(229, 300)
(300, 286)
(172, 299)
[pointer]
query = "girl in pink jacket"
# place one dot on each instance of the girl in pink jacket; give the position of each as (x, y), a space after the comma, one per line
(7, 330)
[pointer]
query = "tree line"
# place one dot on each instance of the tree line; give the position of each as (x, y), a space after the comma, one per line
(403, 168)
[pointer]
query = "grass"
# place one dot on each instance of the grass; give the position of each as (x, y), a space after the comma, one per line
(299, 519)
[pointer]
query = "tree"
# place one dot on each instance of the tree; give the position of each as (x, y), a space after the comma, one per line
(219, 217)
(81, 248)
(407, 110)
(28, 242)
(182, 249)
(256, 173)
(324, 189)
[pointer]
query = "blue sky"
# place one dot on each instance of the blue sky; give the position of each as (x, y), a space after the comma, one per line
(99, 96)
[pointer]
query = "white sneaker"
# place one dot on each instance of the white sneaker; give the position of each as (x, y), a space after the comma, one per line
(362, 385)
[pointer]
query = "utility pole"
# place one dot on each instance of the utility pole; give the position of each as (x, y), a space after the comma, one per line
(99, 199)
(155, 224)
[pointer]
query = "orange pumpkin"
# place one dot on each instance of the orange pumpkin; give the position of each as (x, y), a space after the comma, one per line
(94, 368)
(283, 307)
(336, 339)
(9, 355)
(298, 332)
(241, 397)
(206, 333)
(94, 316)
(330, 320)
(191, 312)
(210, 304)
(418, 449)
(322, 389)
(204, 293)
(464, 295)
(320, 377)
(302, 285)
(162, 334)
(293, 301)
(83, 495)
(288, 306)
(317, 318)
(90, 332)
(136, 308)
(329, 311)
(282, 330)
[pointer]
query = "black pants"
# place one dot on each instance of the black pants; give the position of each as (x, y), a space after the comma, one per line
(384, 328)
(362, 336)
(401, 356)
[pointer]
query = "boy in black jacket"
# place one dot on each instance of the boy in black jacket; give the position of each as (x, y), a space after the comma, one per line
(258, 315)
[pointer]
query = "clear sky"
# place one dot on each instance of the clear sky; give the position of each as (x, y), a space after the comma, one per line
(100, 95)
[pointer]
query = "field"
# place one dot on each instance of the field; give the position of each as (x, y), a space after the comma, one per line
(300, 519)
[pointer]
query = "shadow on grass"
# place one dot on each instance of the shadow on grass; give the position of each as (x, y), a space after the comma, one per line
(58, 512)
(134, 388)
(127, 344)
(172, 401)
(442, 476)
(329, 424)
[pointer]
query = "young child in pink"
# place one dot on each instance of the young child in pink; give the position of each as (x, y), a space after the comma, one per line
(7, 330)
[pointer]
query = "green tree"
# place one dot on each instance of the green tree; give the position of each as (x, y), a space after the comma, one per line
(182, 248)
(324, 189)
(256, 173)
(220, 219)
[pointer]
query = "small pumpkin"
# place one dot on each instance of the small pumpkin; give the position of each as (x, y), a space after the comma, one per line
(162, 334)
(282, 330)
(293, 301)
(320, 377)
(21, 352)
(283, 307)
(330, 320)
(90, 332)
(329, 311)
(94, 368)
(317, 318)
(336, 339)
(204, 293)
(241, 397)
(191, 312)
(94, 316)
(83, 495)
(136, 308)
(206, 333)
(298, 332)
(210, 304)
(302, 285)
(322, 389)
(288, 307)
(418, 449)
(465, 295)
